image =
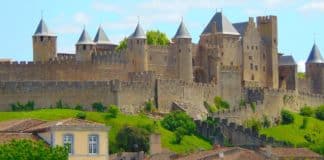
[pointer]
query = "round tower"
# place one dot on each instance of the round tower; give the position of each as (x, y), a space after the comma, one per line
(84, 47)
(44, 43)
(102, 41)
(314, 68)
(183, 48)
(136, 48)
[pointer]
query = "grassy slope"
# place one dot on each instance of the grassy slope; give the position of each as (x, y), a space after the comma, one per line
(293, 134)
(188, 144)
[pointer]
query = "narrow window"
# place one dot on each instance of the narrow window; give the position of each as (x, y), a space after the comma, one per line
(251, 66)
(93, 144)
(222, 54)
(41, 38)
(68, 142)
(250, 57)
(252, 78)
(84, 47)
(256, 67)
(247, 47)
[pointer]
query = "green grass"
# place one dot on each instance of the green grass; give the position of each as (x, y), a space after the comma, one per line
(293, 134)
(188, 144)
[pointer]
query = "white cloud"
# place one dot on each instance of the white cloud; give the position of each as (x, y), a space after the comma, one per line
(301, 66)
(67, 29)
(312, 6)
(81, 18)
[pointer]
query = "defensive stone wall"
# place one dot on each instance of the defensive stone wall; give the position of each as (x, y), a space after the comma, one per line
(230, 84)
(109, 57)
(235, 134)
(62, 71)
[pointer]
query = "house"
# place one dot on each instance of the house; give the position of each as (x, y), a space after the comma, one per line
(86, 139)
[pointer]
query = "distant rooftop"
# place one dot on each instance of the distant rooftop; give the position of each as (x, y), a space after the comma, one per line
(315, 55)
(42, 29)
(223, 25)
(286, 61)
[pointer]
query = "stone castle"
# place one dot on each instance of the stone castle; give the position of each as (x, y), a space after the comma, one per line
(233, 60)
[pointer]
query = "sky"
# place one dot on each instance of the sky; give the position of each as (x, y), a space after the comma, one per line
(300, 22)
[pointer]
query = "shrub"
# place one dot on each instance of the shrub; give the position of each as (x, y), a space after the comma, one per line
(79, 107)
(81, 115)
(319, 112)
(27, 149)
(179, 134)
(242, 102)
(254, 124)
(305, 123)
(29, 106)
(149, 106)
(99, 107)
(306, 111)
(211, 121)
(132, 139)
(177, 119)
(220, 103)
(286, 117)
(59, 104)
(210, 108)
(265, 122)
(112, 111)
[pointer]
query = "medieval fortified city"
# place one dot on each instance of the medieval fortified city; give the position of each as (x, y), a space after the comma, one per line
(231, 95)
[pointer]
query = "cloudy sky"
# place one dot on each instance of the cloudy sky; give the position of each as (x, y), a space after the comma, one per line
(299, 20)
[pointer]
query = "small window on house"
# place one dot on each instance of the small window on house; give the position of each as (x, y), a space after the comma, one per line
(68, 142)
(41, 38)
(93, 141)
(256, 67)
(251, 66)
(84, 47)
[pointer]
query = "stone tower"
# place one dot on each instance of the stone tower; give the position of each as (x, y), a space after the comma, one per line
(84, 47)
(137, 50)
(219, 44)
(267, 27)
(102, 41)
(315, 70)
(44, 43)
(183, 48)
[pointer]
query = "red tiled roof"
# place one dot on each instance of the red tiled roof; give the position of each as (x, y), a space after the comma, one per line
(14, 126)
(7, 137)
(292, 152)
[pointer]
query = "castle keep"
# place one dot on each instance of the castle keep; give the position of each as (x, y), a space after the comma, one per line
(233, 60)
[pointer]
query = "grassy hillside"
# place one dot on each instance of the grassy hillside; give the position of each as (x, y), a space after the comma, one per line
(293, 134)
(189, 143)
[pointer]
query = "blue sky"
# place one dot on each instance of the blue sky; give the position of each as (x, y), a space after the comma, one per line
(298, 20)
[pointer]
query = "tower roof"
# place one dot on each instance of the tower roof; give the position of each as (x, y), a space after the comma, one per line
(287, 61)
(315, 55)
(42, 29)
(138, 33)
(182, 31)
(223, 25)
(85, 38)
(101, 37)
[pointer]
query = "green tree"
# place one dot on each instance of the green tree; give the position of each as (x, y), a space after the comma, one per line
(31, 150)
(319, 112)
(29, 106)
(113, 111)
(99, 107)
(177, 119)
(133, 139)
(155, 37)
(122, 45)
(253, 123)
(306, 111)
(286, 117)
(81, 115)
(220, 103)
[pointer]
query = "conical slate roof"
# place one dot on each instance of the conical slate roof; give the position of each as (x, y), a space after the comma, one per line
(85, 38)
(101, 37)
(138, 33)
(42, 29)
(223, 25)
(182, 31)
(315, 56)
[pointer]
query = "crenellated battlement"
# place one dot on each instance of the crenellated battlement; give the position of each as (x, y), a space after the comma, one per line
(230, 69)
(266, 19)
(159, 48)
(142, 76)
(109, 57)
(171, 83)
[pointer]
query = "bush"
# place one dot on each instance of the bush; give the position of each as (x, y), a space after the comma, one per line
(131, 139)
(242, 102)
(81, 115)
(254, 124)
(29, 106)
(305, 123)
(79, 107)
(286, 117)
(319, 112)
(149, 106)
(179, 134)
(27, 149)
(112, 111)
(210, 108)
(253, 106)
(220, 103)
(306, 111)
(178, 119)
(59, 104)
(265, 122)
(99, 107)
